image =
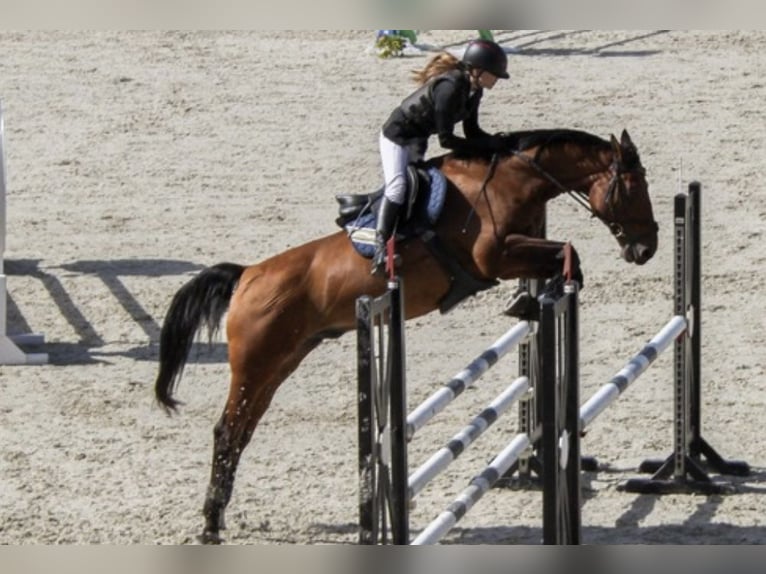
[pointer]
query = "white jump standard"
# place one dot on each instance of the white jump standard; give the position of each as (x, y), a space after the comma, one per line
(10, 352)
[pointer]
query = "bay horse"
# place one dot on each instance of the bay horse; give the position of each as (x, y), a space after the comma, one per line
(283, 307)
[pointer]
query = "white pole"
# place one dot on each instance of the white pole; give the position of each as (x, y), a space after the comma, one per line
(442, 458)
(607, 394)
(477, 488)
(438, 401)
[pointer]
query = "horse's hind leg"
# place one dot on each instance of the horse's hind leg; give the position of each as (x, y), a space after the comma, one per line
(231, 435)
(255, 379)
(221, 482)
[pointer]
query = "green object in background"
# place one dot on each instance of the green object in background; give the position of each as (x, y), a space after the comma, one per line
(486, 35)
(410, 35)
(391, 43)
(389, 46)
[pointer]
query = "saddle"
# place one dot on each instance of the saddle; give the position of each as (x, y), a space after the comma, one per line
(352, 206)
(426, 192)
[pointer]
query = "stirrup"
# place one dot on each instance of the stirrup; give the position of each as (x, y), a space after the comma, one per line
(378, 264)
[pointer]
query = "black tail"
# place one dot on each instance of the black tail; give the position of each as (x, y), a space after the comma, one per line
(203, 300)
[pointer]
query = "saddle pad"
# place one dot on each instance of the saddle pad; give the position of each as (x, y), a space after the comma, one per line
(427, 209)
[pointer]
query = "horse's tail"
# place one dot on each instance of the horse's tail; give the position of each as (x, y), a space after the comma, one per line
(202, 301)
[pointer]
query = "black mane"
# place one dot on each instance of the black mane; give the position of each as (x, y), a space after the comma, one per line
(524, 140)
(542, 138)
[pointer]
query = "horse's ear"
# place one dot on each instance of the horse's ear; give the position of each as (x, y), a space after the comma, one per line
(616, 147)
(625, 139)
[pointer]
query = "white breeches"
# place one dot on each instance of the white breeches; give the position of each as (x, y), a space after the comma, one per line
(395, 159)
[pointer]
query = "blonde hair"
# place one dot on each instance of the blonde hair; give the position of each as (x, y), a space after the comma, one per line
(439, 64)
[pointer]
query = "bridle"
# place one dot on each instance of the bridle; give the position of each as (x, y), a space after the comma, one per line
(613, 192)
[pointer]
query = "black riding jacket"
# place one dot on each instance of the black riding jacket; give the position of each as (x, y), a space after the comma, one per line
(435, 108)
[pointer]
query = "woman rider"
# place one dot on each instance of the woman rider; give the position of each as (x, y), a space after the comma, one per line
(450, 92)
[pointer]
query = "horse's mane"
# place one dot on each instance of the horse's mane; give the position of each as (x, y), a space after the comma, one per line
(543, 138)
(524, 140)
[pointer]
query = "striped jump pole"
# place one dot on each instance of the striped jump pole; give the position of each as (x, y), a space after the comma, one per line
(384, 430)
(608, 393)
(437, 402)
(478, 486)
(442, 458)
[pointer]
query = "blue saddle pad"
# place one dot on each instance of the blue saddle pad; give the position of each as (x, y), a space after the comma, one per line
(428, 207)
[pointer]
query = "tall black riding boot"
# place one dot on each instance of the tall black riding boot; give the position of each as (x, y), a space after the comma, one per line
(387, 214)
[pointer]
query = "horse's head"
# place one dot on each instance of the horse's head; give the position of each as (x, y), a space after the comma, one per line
(621, 200)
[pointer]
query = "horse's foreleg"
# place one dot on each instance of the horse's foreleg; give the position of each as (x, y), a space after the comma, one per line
(534, 258)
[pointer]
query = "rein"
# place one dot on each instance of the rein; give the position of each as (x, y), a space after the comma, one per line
(483, 192)
(582, 198)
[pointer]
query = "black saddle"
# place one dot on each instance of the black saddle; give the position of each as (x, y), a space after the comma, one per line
(351, 205)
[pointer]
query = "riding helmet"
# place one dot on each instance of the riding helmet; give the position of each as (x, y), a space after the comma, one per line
(487, 55)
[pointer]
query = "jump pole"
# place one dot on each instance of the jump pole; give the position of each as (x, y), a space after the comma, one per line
(442, 458)
(608, 393)
(385, 488)
(478, 486)
(10, 353)
(439, 400)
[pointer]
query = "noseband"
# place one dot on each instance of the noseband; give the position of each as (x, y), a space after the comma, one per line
(614, 191)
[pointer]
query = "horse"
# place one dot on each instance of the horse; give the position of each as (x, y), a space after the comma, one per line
(283, 307)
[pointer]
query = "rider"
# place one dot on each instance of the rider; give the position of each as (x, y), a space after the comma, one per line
(450, 92)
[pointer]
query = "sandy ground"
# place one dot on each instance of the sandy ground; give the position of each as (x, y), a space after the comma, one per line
(135, 159)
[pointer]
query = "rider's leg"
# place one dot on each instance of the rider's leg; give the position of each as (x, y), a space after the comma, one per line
(387, 215)
(394, 159)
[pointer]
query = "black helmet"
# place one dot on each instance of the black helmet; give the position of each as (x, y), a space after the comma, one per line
(488, 56)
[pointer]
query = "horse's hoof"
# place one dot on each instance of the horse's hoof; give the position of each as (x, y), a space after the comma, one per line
(523, 306)
(210, 538)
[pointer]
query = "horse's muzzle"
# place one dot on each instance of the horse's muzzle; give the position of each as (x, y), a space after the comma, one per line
(639, 252)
